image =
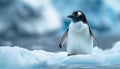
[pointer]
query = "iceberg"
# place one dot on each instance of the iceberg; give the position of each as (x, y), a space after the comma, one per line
(21, 58)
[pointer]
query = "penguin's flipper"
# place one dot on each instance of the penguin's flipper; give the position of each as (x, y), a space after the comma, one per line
(63, 38)
(92, 35)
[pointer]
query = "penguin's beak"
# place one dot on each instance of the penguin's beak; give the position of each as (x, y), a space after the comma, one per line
(70, 16)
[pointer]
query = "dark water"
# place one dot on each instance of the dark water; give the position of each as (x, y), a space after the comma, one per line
(51, 42)
(83, 67)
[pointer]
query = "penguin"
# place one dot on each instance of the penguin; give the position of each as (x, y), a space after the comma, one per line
(79, 36)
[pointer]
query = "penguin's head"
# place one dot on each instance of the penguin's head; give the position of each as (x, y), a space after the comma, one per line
(77, 16)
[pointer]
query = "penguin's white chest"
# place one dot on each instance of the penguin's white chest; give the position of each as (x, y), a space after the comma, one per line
(79, 39)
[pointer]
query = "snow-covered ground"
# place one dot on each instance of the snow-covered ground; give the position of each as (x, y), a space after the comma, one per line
(21, 58)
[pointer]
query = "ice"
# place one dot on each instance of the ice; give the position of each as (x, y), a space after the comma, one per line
(21, 58)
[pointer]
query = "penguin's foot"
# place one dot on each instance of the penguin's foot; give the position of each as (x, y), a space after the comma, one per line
(71, 54)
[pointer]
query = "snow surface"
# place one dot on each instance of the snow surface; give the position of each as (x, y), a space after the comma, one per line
(20, 58)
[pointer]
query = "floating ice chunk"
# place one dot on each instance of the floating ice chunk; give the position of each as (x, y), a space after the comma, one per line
(16, 58)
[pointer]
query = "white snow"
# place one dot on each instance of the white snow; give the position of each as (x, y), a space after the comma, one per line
(20, 58)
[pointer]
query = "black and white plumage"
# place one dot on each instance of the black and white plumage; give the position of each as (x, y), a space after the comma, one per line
(80, 36)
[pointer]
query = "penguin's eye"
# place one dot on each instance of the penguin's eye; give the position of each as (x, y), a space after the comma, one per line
(75, 13)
